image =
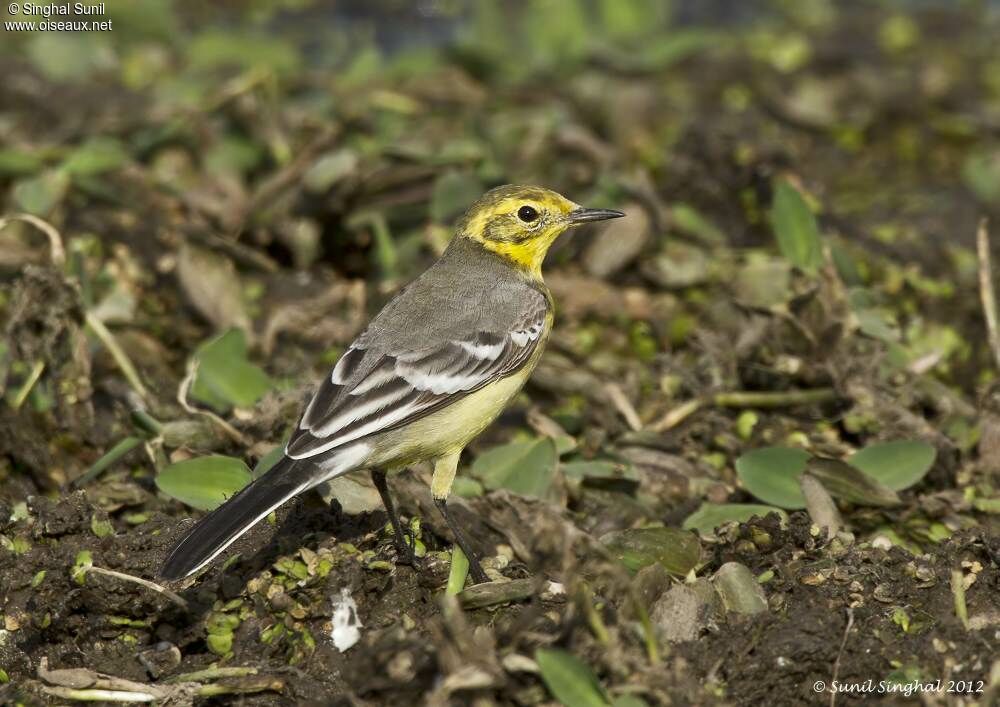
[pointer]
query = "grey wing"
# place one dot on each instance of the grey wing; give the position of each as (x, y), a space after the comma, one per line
(375, 388)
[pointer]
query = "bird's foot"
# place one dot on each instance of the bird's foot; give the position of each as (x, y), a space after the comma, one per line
(476, 570)
(406, 543)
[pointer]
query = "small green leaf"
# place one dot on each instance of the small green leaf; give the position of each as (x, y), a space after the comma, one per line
(329, 169)
(18, 163)
(466, 487)
(711, 515)
(772, 475)
(225, 377)
(899, 465)
(69, 56)
(846, 481)
(569, 680)
(679, 551)
(220, 643)
(40, 194)
(81, 565)
(795, 228)
(95, 156)
(215, 48)
(524, 467)
(101, 527)
(204, 482)
(688, 219)
(453, 193)
(268, 460)
(459, 572)
(981, 172)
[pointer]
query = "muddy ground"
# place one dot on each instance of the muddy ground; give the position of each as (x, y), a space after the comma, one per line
(248, 172)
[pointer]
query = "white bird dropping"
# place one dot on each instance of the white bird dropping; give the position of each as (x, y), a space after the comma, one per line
(346, 624)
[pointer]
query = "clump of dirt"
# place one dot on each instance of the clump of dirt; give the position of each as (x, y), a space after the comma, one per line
(851, 612)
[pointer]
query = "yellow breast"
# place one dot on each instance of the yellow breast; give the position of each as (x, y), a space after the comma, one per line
(448, 430)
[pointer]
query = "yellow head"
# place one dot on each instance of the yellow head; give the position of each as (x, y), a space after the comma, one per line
(520, 223)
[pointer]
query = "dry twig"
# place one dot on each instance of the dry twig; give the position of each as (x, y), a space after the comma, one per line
(987, 292)
(182, 395)
(56, 250)
(172, 596)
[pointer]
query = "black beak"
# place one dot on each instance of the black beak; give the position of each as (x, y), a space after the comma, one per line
(583, 215)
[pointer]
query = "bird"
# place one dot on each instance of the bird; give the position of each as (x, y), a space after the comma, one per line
(431, 371)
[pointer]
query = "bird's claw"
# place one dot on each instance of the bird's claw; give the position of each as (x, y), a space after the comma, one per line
(406, 553)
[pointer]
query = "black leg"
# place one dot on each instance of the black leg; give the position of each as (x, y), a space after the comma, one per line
(404, 550)
(478, 576)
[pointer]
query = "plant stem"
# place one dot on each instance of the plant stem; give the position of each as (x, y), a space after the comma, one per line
(744, 399)
(172, 596)
(97, 695)
(116, 453)
(118, 354)
(492, 593)
(56, 250)
(29, 383)
(958, 592)
(987, 293)
(212, 674)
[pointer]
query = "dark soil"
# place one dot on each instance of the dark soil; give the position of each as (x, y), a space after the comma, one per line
(832, 614)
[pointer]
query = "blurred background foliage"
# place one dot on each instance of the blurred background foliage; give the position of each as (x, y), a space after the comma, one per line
(229, 190)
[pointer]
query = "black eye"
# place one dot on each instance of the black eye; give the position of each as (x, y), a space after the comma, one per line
(527, 214)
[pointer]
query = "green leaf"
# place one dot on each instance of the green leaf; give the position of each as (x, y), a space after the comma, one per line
(850, 483)
(233, 155)
(899, 465)
(225, 377)
(95, 156)
(524, 467)
(329, 169)
(795, 228)
(688, 219)
(711, 515)
(268, 460)
(69, 56)
(18, 163)
(40, 194)
(453, 193)
(466, 487)
(204, 482)
(220, 643)
(679, 551)
(981, 172)
(248, 50)
(459, 572)
(772, 475)
(569, 680)
(81, 565)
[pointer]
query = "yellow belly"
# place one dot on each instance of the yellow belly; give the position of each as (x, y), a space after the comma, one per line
(448, 430)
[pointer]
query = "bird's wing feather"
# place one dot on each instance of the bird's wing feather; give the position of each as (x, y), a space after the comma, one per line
(379, 385)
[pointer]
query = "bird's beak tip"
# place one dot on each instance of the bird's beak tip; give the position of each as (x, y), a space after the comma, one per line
(584, 215)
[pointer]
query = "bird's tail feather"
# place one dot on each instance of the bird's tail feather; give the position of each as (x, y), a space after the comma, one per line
(223, 526)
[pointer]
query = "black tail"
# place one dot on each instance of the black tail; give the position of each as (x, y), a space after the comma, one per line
(220, 528)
